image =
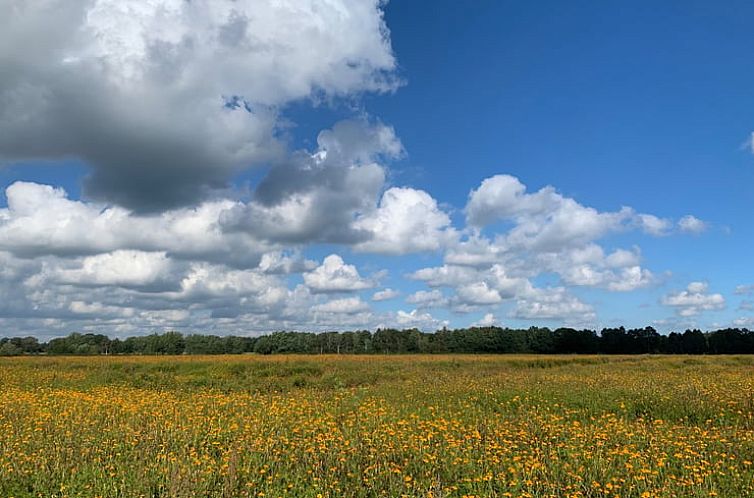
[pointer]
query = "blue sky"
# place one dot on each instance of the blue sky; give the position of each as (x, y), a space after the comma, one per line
(578, 164)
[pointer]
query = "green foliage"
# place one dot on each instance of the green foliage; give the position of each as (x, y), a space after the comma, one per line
(476, 340)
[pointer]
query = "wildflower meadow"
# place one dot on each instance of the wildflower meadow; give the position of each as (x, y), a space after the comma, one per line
(371, 426)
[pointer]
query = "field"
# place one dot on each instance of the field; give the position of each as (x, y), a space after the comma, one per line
(429, 426)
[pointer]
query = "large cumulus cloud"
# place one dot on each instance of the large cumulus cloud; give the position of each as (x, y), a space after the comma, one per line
(166, 99)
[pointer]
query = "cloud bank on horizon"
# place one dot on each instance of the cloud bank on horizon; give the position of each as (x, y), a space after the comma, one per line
(166, 101)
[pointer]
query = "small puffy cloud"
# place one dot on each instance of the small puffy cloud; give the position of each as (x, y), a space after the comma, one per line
(277, 262)
(445, 275)
(355, 141)
(630, 278)
(417, 319)
(406, 220)
(675, 323)
(697, 287)
(621, 258)
(654, 225)
(488, 320)
(585, 274)
(385, 294)
(553, 304)
(40, 219)
(503, 197)
(348, 306)
(744, 322)
(478, 293)
(499, 278)
(621, 280)
(334, 275)
(476, 251)
(691, 224)
(473, 286)
(694, 300)
(428, 299)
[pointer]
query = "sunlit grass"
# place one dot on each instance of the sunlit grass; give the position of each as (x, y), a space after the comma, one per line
(436, 426)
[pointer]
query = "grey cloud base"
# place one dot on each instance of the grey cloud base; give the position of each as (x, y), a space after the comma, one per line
(166, 99)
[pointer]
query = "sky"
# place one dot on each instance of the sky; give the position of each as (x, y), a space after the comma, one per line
(240, 167)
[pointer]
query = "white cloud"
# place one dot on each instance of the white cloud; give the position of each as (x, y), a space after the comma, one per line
(476, 251)
(348, 305)
(504, 197)
(631, 278)
(545, 220)
(570, 225)
(417, 319)
(691, 224)
(618, 272)
(744, 322)
(277, 262)
(41, 220)
(546, 232)
(478, 293)
(385, 295)
(428, 299)
(406, 220)
(697, 287)
(694, 300)
(553, 304)
(124, 268)
(653, 225)
(488, 320)
(229, 293)
(98, 310)
(582, 265)
(334, 275)
(445, 275)
(621, 258)
(499, 278)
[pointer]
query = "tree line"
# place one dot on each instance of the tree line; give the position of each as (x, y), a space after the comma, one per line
(492, 340)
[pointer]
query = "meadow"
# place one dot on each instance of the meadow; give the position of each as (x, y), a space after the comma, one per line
(372, 426)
